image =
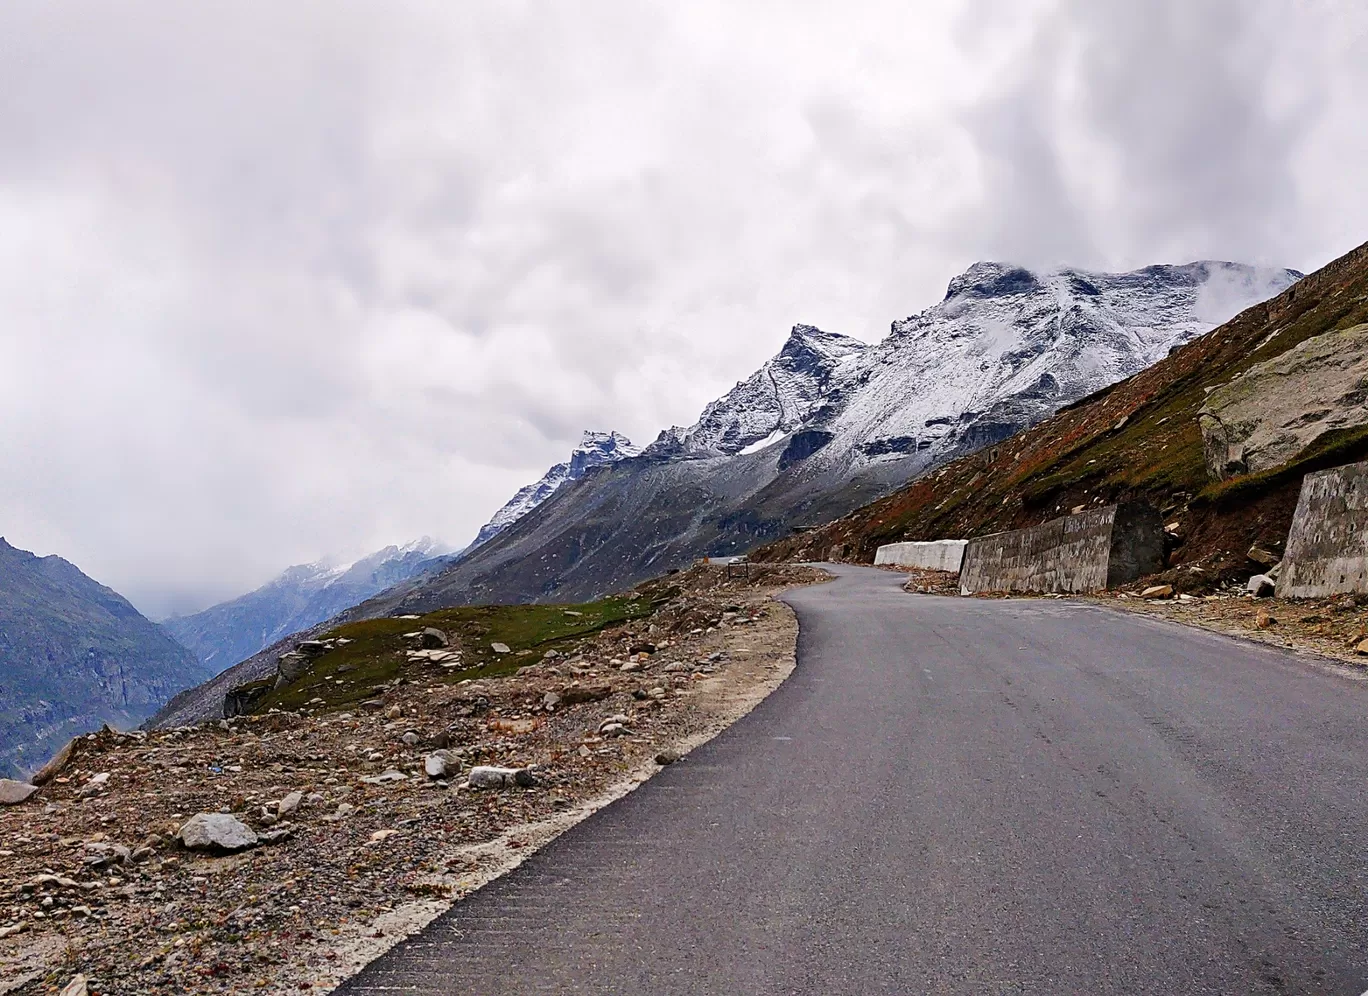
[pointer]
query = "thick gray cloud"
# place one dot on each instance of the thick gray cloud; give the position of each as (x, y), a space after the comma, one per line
(282, 281)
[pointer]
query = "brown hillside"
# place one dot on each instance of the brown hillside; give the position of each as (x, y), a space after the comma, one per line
(1137, 440)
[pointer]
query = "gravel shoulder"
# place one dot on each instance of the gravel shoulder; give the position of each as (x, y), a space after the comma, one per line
(93, 880)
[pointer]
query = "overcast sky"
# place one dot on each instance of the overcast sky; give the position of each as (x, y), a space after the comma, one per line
(284, 280)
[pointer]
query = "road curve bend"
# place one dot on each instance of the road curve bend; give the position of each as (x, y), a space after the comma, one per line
(960, 796)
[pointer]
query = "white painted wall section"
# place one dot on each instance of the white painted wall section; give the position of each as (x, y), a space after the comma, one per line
(934, 555)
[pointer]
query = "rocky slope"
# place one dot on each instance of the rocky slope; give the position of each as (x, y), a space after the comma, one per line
(74, 655)
(224, 634)
(594, 450)
(364, 819)
(1140, 440)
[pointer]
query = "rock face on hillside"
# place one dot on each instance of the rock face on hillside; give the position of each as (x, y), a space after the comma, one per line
(73, 656)
(296, 599)
(1277, 409)
(594, 450)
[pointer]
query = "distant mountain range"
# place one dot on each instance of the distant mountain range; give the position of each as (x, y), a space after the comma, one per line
(296, 599)
(824, 427)
(74, 655)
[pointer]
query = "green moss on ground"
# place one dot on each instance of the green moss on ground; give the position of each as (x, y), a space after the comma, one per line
(376, 654)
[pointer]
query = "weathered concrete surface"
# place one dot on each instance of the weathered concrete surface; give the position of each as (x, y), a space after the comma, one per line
(933, 555)
(1327, 549)
(1276, 409)
(1090, 551)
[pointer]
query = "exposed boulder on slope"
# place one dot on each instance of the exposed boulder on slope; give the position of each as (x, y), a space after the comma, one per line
(1277, 409)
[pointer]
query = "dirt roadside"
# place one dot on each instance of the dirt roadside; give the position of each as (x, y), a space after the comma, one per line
(365, 845)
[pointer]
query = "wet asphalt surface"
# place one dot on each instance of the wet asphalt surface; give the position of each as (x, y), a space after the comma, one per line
(961, 796)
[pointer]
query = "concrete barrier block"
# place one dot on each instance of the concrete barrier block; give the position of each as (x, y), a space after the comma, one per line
(932, 555)
(1327, 548)
(1093, 550)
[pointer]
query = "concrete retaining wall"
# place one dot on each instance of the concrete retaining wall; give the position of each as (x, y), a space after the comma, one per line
(1327, 549)
(1096, 549)
(935, 555)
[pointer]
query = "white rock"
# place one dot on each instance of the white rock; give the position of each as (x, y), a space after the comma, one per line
(289, 804)
(435, 766)
(500, 648)
(76, 987)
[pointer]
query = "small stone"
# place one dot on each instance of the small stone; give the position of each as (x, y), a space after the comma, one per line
(12, 793)
(1263, 620)
(500, 648)
(1262, 556)
(394, 712)
(78, 986)
(410, 738)
(435, 766)
(289, 804)
(667, 757)
(1260, 586)
(631, 666)
(489, 776)
(524, 778)
(217, 833)
(1362, 648)
(550, 700)
(1158, 591)
(385, 776)
(382, 835)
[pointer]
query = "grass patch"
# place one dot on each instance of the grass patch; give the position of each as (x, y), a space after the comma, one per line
(376, 653)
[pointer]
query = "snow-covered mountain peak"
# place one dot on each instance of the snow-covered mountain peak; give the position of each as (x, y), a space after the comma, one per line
(987, 279)
(594, 450)
(774, 400)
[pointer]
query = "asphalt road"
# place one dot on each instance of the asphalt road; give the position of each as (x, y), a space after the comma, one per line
(961, 796)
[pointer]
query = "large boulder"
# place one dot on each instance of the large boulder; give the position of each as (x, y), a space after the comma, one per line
(217, 833)
(12, 793)
(1276, 409)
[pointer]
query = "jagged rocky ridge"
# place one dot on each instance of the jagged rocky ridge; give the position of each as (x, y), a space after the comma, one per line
(594, 450)
(828, 425)
(224, 634)
(73, 656)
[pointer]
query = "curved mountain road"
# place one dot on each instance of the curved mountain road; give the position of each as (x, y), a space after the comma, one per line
(961, 796)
